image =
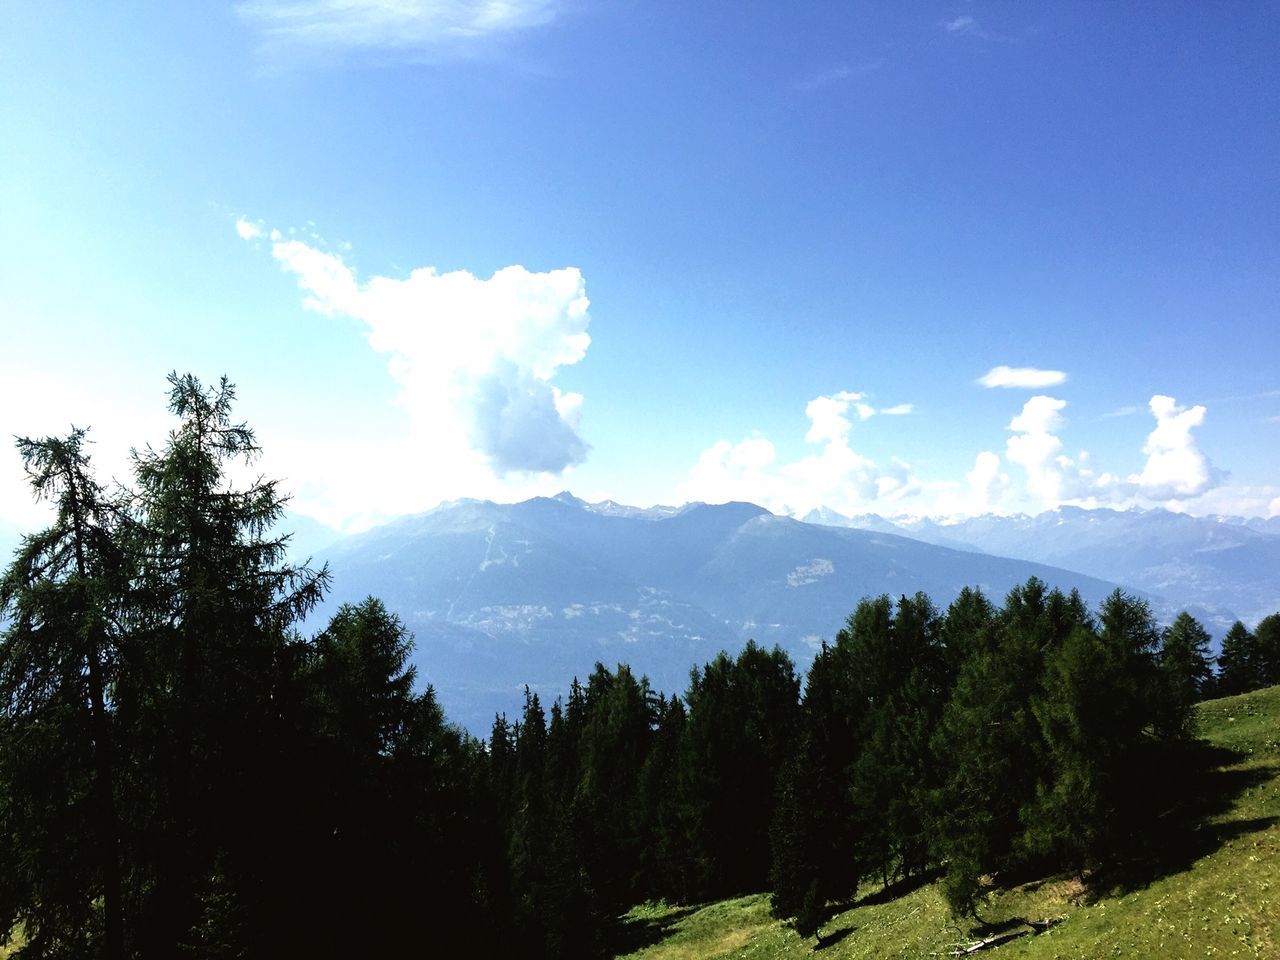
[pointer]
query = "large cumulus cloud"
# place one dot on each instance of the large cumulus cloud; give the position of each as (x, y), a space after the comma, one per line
(474, 357)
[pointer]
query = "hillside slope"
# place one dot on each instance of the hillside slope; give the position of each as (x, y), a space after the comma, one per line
(1214, 892)
(1227, 567)
(503, 595)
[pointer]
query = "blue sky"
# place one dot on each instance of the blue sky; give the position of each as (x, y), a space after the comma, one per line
(384, 221)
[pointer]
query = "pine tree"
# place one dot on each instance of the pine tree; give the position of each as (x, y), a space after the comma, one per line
(901, 683)
(1239, 663)
(1185, 671)
(739, 735)
(1267, 638)
(1102, 693)
(664, 853)
(986, 746)
(212, 608)
(1073, 808)
(59, 660)
(531, 825)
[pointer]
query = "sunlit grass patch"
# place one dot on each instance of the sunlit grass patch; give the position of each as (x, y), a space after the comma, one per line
(1218, 895)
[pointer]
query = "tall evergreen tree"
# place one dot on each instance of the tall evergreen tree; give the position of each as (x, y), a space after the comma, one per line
(1267, 639)
(1239, 663)
(813, 835)
(740, 733)
(59, 660)
(212, 609)
(1102, 694)
(1186, 673)
(664, 854)
(986, 746)
(902, 678)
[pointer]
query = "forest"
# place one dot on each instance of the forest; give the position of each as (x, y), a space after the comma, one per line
(187, 770)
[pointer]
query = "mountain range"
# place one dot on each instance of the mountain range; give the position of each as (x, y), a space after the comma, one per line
(503, 595)
(1227, 567)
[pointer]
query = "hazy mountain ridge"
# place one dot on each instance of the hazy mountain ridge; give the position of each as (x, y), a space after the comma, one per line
(499, 595)
(1227, 566)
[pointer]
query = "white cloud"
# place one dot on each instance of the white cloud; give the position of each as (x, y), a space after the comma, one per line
(987, 484)
(1227, 500)
(474, 358)
(836, 476)
(1026, 378)
(1051, 477)
(834, 74)
(961, 24)
(828, 415)
(827, 420)
(404, 25)
(248, 230)
(1175, 467)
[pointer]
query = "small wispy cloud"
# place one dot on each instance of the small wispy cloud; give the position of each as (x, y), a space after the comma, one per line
(901, 410)
(398, 25)
(1024, 378)
(967, 26)
(1119, 412)
(835, 74)
(1260, 395)
(248, 230)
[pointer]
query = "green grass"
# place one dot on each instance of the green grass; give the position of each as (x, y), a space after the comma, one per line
(1212, 891)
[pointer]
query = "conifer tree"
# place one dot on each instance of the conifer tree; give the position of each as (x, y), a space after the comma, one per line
(59, 661)
(740, 733)
(1185, 671)
(1239, 666)
(1267, 639)
(1101, 695)
(211, 611)
(900, 670)
(664, 853)
(986, 746)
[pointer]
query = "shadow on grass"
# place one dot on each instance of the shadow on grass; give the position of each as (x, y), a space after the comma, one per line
(899, 888)
(1200, 782)
(637, 933)
(831, 939)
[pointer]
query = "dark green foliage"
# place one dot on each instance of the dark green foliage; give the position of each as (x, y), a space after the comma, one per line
(1102, 695)
(898, 676)
(812, 912)
(180, 772)
(59, 659)
(1186, 674)
(1072, 813)
(1267, 639)
(795, 837)
(739, 737)
(1240, 663)
(663, 869)
(813, 836)
(986, 743)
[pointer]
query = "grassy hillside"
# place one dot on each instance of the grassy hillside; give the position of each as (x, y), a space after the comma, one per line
(1213, 889)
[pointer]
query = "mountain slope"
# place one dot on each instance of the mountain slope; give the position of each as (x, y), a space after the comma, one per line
(500, 595)
(1225, 567)
(1216, 894)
